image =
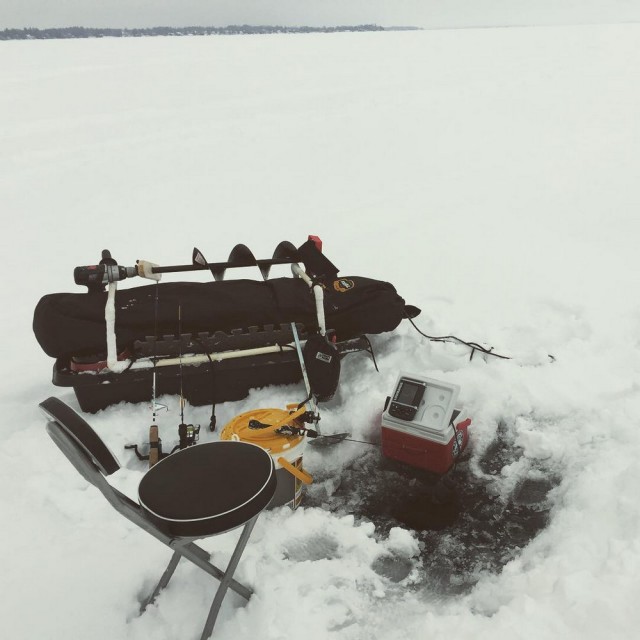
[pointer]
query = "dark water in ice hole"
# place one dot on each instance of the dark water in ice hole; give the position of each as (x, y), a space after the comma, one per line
(462, 533)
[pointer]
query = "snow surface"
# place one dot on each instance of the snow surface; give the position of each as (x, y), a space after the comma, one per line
(491, 175)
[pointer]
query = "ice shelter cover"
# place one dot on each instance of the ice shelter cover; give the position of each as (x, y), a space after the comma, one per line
(73, 324)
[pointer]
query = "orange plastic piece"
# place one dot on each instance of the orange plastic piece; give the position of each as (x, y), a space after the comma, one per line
(303, 476)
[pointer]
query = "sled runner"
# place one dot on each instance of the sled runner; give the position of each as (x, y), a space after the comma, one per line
(234, 335)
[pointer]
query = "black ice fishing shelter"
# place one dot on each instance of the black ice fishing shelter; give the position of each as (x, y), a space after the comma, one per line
(215, 339)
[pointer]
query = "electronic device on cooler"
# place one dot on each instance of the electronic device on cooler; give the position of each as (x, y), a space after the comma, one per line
(422, 425)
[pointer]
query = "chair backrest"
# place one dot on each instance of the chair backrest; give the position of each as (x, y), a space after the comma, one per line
(78, 441)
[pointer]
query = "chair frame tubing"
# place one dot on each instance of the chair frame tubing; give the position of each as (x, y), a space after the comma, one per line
(182, 547)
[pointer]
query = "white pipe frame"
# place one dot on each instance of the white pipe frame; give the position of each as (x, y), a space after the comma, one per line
(202, 358)
(110, 321)
(113, 364)
(318, 294)
(145, 270)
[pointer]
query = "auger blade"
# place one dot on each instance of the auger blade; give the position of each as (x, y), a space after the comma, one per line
(198, 258)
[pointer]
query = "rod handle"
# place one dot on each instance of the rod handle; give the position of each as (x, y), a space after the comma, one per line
(154, 445)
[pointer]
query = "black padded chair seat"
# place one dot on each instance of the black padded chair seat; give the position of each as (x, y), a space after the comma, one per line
(208, 489)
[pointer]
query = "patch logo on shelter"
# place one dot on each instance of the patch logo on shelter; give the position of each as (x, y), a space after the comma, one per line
(343, 284)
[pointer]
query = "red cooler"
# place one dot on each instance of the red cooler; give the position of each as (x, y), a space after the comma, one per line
(421, 424)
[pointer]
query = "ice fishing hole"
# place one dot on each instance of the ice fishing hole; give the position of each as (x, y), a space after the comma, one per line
(465, 528)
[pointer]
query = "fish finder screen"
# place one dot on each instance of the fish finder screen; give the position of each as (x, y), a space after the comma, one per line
(408, 393)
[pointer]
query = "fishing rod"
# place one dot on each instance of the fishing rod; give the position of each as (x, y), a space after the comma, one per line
(188, 434)
(155, 443)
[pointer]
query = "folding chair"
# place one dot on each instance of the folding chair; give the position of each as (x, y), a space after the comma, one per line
(197, 492)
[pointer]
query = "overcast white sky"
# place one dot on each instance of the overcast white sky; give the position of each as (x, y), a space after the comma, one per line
(434, 13)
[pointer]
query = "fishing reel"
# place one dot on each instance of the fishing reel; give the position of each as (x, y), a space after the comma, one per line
(298, 430)
(155, 453)
(290, 430)
(285, 429)
(188, 435)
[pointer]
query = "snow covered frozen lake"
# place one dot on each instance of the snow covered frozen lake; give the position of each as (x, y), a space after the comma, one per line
(491, 175)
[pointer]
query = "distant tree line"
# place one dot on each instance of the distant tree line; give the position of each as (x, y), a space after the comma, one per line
(88, 32)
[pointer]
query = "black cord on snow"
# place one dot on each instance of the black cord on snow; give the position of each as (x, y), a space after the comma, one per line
(474, 346)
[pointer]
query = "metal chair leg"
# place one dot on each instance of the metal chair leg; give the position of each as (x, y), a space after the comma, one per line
(227, 578)
(197, 555)
(164, 580)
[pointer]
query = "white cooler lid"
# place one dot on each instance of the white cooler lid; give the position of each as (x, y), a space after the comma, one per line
(435, 409)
